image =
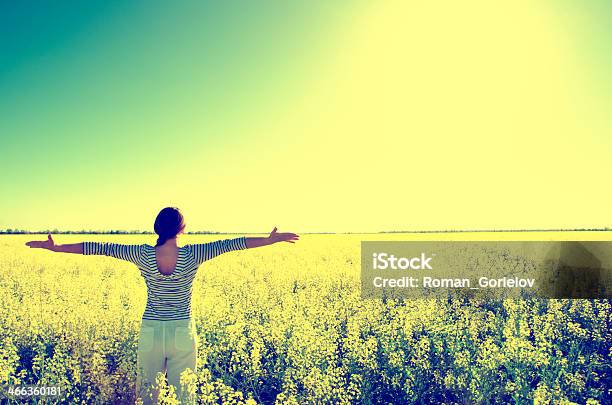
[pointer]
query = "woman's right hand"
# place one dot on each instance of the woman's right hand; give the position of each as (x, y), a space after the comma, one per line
(42, 244)
(282, 237)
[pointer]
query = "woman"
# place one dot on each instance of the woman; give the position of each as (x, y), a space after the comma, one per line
(168, 340)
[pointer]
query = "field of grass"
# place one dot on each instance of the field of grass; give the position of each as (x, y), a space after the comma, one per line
(285, 324)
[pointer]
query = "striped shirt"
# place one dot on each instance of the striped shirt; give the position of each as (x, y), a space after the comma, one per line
(168, 295)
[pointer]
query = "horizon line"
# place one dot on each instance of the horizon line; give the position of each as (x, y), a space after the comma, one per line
(14, 231)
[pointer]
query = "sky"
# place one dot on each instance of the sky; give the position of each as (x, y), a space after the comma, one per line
(345, 116)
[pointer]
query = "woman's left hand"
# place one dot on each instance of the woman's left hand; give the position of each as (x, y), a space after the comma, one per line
(42, 244)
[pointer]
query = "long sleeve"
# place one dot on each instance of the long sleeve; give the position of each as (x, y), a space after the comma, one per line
(206, 251)
(130, 253)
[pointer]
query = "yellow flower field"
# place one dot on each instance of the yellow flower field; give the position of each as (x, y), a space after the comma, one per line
(285, 324)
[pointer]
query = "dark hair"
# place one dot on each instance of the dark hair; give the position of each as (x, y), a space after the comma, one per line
(168, 224)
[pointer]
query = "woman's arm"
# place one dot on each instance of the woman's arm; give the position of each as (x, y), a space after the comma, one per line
(131, 253)
(206, 251)
(49, 244)
(272, 238)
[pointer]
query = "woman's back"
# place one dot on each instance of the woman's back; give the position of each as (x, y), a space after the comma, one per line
(168, 271)
(168, 287)
(166, 258)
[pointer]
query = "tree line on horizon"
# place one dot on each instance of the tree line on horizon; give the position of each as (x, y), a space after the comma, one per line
(16, 231)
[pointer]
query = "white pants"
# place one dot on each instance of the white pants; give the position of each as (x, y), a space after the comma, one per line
(170, 346)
